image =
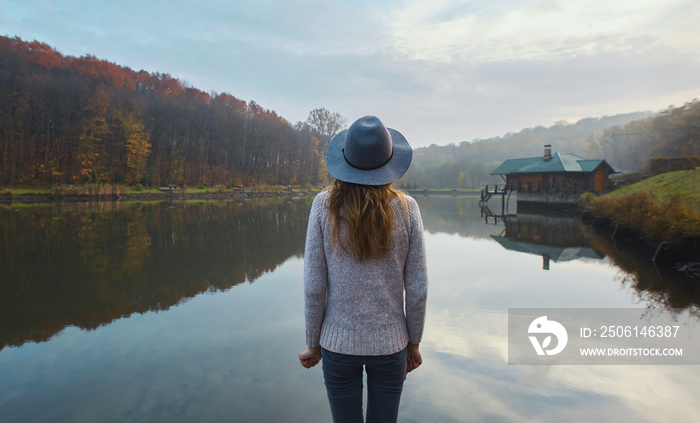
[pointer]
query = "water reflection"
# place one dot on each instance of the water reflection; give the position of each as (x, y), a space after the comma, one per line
(231, 354)
(555, 238)
(561, 238)
(87, 265)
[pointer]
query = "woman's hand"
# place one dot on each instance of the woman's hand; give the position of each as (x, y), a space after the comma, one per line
(413, 358)
(310, 357)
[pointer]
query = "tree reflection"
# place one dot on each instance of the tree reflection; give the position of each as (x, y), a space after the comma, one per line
(87, 265)
(655, 285)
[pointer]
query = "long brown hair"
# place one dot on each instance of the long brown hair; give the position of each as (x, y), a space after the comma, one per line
(368, 215)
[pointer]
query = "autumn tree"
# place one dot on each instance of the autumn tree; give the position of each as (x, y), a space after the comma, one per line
(16, 130)
(137, 146)
(95, 130)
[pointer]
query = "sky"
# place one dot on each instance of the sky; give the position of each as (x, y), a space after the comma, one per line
(438, 71)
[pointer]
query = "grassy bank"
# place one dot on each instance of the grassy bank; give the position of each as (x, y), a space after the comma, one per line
(681, 187)
(663, 208)
(88, 189)
(108, 192)
(122, 190)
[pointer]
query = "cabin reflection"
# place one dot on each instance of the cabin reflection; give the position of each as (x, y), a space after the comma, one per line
(554, 238)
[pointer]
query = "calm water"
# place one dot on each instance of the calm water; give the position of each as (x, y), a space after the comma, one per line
(186, 312)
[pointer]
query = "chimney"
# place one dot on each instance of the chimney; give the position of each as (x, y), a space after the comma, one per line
(547, 151)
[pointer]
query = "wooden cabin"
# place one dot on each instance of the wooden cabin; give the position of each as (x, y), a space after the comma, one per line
(554, 178)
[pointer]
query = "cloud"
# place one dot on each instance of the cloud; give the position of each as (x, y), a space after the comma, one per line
(440, 71)
(447, 31)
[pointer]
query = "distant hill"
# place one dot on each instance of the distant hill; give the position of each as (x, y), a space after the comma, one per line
(618, 139)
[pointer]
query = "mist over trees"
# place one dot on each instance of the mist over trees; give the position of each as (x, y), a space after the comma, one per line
(674, 132)
(78, 120)
(626, 141)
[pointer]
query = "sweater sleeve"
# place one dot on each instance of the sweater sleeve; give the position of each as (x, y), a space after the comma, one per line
(415, 276)
(315, 275)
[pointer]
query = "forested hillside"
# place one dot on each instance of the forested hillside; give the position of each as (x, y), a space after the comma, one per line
(675, 132)
(469, 163)
(76, 120)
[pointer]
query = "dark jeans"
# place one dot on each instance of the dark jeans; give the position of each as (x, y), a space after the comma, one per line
(343, 377)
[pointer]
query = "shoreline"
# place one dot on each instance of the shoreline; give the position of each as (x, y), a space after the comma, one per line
(176, 195)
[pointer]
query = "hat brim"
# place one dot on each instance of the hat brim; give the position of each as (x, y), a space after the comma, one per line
(390, 172)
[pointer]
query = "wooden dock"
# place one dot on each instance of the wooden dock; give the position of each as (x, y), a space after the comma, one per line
(486, 195)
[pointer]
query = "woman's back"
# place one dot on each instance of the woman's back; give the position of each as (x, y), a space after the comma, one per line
(364, 299)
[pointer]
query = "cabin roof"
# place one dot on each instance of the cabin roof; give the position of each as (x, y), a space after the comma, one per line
(560, 162)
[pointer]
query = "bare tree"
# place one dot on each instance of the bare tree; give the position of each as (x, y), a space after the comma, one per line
(327, 125)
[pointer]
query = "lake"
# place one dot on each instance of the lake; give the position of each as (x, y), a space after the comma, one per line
(193, 312)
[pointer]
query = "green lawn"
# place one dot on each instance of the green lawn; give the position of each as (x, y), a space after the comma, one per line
(682, 187)
(23, 191)
(665, 207)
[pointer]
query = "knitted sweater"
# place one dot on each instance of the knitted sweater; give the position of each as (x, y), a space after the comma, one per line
(357, 307)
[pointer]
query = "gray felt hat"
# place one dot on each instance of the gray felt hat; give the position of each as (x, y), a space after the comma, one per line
(368, 153)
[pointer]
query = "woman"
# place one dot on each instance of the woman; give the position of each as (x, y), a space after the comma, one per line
(365, 278)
